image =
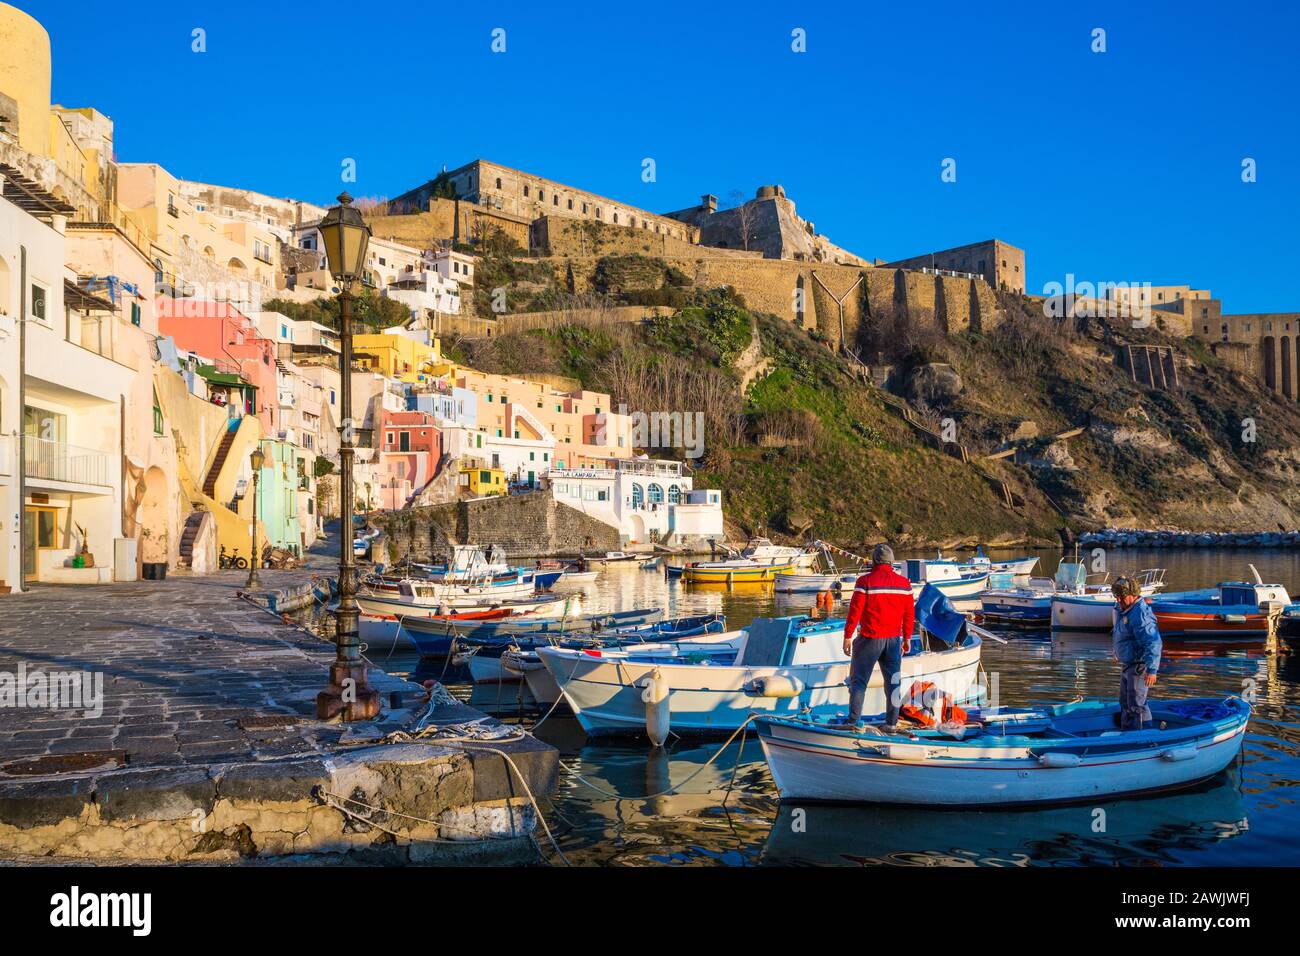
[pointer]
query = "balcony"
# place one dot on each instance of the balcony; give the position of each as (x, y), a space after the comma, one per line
(59, 461)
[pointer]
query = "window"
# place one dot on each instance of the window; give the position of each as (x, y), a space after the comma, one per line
(135, 314)
(555, 200)
(546, 456)
(532, 456)
(38, 302)
(498, 182)
(525, 189)
(656, 494)
(674, 494)
(157, 413)
(570, 203)
(638, 495)
(541, 195)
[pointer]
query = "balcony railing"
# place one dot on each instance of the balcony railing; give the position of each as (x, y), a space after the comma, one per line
(59, 461)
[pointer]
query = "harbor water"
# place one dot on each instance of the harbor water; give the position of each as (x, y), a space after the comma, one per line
(727, 813)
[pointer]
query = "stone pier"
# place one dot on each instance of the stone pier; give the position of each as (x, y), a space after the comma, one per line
(204, 744)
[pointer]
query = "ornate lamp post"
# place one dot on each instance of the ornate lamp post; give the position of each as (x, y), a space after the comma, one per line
(256, 459)
(349, 696)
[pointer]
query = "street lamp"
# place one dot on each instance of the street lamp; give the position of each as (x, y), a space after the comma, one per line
(345, 235)
(256, 459)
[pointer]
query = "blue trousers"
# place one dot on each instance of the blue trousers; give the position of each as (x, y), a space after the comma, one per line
(1133, 709)
(866, 652)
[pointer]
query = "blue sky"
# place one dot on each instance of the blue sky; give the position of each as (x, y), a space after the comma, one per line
(1115, 166)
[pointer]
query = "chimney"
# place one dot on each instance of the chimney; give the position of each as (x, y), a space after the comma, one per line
(709, 202)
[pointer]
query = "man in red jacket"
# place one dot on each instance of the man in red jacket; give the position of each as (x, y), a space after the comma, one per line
(882, 611)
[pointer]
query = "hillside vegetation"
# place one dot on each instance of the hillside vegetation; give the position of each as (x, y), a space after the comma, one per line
(810, 448)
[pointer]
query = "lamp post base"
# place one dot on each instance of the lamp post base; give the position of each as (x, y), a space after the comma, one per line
(349, 696)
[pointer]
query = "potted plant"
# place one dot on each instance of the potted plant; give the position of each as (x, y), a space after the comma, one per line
(84, 557)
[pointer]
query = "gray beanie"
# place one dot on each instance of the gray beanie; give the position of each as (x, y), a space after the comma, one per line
(882, 554)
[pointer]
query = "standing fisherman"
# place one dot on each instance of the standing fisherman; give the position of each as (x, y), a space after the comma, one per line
(1137, 648)
(882, 606)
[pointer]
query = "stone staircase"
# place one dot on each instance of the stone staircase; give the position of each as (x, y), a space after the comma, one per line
(214, 472)
(188, 534)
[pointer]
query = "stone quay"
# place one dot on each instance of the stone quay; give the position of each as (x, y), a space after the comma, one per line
(175, 721)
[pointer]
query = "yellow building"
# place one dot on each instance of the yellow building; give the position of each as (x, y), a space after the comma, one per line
(587, 431)
(397, 356)
(483, 482)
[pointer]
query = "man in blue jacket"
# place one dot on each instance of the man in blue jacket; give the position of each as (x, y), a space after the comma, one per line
(1137, 648)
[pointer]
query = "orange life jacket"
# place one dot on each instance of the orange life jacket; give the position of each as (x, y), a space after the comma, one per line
(916, 711)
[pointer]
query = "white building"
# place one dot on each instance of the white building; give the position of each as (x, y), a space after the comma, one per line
(425, 291)
(647, 500)
(62, 402)
(524, 449)
(453, 266)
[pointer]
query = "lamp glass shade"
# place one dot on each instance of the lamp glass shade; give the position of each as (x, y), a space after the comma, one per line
(257, 458)
(345, 236)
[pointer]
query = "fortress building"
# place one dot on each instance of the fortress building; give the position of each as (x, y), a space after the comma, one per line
(1001, 264)
(527, 197)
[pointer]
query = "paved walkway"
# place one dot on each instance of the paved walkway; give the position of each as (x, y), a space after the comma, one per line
(191, 672)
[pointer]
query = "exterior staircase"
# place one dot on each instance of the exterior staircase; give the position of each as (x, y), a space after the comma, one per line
(190, 532)
(214, 472)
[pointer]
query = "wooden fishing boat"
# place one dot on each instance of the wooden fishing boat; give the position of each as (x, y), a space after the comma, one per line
(780, 665)
(488, 662)
(1030, 605)
(792, 583)
(1062, 753)
(433, 637)
(949, 577)
(732, 573)
(1232, 609)
(1288, 627)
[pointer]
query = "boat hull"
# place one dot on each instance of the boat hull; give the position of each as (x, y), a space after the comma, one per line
(733, 576)
(1191, 623)
(603, 691)
(1075, 613)
(820, 765)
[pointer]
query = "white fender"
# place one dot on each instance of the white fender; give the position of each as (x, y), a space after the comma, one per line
(655, 697)
(774, 685)
(1180, 753)
(1059, 760)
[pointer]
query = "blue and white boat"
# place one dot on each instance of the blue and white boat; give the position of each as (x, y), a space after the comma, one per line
(1030, 605)
(1232, 610)
(433, 636)
(950, 578)
(1054, 754)
(487, 656)
(1016, 567)
(778, 665)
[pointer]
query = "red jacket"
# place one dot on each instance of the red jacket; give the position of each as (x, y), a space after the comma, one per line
(882, 604)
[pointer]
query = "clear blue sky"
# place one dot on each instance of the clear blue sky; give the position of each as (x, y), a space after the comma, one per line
(1120, 166)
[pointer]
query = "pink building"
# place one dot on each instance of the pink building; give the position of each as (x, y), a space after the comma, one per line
(409, 448)
(221, 333)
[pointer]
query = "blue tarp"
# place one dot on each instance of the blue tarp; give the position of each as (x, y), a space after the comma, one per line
(935, 613)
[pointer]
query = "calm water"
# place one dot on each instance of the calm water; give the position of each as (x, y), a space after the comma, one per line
(729, 814)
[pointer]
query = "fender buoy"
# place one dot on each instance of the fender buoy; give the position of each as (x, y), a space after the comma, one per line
(1059, 760)
(654, 695)
(774, 685)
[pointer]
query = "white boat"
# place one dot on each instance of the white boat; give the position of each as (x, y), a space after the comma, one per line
(1030, 604)
(414, 599)
(612, 557)
(813, 583)
(714, 682)
(763, 552)
(1094, 610)
(1053, 754)
(1016, 567)
(948, 576)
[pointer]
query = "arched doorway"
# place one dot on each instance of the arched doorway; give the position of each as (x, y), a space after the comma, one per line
(155, 521)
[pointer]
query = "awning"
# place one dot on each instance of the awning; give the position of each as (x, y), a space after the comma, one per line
(77, 297)
(30, 197)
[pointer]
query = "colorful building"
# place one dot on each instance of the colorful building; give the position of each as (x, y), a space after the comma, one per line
(396, 356)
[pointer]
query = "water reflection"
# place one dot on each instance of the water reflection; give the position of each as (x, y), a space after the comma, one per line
(715, 821)
(1176, 828)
